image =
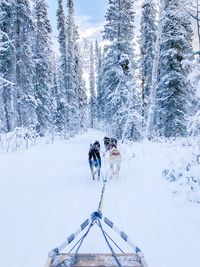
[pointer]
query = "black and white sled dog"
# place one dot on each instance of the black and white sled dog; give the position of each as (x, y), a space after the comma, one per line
(95, 159)
(108, 142)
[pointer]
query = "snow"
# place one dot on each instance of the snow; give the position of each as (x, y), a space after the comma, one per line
(46, 192)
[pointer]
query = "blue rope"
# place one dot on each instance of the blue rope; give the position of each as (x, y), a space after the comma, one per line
(72, 261)
(110, 247)
(113, 241)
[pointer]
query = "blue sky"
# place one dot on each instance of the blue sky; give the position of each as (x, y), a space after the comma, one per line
(90, 16)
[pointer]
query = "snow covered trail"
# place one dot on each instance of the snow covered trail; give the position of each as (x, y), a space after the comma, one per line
(47, 192)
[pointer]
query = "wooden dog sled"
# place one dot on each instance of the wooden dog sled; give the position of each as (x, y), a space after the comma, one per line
(58, 259)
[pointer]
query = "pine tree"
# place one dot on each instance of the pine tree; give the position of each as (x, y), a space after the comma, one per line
(92, 87)
(117, 73)
(150, 124)
(23, 32)
(98, 63)
(7, 65)
(98, 58)
(80, 86)
(147, 46)
(2, 82)
(71, 89)
(193, 7)
(62, 116)
(43, 70)
(55, 94)
(85, 50)
(173, 94)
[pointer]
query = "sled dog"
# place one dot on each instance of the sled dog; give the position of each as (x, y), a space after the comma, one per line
(95, 159)
(108, 142)
(115, 161)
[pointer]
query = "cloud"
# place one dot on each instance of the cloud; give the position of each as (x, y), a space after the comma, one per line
(88, 28)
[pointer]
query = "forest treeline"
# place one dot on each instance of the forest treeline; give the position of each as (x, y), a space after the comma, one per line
(153, 92)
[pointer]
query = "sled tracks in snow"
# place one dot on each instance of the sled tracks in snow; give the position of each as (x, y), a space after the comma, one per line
(75, 259)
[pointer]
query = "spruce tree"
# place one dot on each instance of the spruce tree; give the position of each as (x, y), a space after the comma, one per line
(193, 7)
(62, 114)
(55, 94)
(43, 69)
(150, 124)
(24, 69)
(80, 86)
(71, 88)
(92, 87)
(98, 63)
(7, 66)
(147, 46)
(117, 72)
(174, 90)
(2, 82)
(85, 50)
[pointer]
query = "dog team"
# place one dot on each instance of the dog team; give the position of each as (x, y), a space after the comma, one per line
(95, 157)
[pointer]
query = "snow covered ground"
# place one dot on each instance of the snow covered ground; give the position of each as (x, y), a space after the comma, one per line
(47, 192)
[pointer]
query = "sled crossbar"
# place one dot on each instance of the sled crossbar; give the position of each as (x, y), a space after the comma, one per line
(98, 260)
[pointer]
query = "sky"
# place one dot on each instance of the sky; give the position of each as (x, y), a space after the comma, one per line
(90, 16)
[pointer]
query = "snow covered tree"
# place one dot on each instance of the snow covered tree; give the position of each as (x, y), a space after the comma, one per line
(174, 91)
(2, 83)
(147, 47)
(22, 36)
(117, 72)
(62, 115)
(194, 118)
(7, 65)
(85, 51)
(98, 63)
(71, 90)
(193, 7)
(2, 113)
(43, 69)
(82, 104)
(80, 85)
(55, 93)
(193, 125)
(92, 87)
(98, 58)
(150, 124)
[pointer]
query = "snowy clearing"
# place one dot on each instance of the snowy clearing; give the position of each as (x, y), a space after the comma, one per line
(47, 192)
